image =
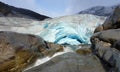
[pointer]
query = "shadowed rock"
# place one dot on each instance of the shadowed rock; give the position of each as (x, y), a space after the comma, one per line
(106, 45)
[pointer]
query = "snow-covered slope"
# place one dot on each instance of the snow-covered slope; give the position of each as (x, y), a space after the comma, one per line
(99, 10)
(71, 30)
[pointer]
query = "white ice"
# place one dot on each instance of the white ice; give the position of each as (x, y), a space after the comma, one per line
(72, 30)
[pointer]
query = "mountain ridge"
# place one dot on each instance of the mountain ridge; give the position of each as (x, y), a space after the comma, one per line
(11, 11)
(99, 10)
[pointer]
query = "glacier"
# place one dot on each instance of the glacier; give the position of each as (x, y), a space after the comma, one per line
(71, 30)
(68, 30)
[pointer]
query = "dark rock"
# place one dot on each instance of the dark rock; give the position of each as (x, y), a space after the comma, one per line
(110, 36)
(10, 11)
(117, 45)
(70, 62)
(112, 22)
(106, 41)
(106, 46)
(109, 55)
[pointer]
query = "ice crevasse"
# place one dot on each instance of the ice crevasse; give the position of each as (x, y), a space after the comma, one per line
(72, 30)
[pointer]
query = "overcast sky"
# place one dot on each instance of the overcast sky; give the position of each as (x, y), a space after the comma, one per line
(55, 8)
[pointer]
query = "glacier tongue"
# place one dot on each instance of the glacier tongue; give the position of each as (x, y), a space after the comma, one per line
(73, 30)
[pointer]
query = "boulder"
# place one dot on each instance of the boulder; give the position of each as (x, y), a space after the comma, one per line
(106, 45)
(17, 50)
(70, 62)
(112, 22)
(110, 36)
(109, 55)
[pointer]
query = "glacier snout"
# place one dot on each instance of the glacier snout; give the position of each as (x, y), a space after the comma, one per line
(72, 30)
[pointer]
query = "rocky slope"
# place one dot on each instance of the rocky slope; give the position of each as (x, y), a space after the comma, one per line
(10, 11)
(106, 41)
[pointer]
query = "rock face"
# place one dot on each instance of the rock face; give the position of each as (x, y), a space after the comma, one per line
(106, 46)
(70, 62)
(106, 41)
(112, 22)
(10, 11)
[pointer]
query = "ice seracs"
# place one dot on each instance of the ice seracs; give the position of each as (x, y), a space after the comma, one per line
(72, 30)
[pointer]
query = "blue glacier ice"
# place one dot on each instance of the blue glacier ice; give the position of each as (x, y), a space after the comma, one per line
(71, 30)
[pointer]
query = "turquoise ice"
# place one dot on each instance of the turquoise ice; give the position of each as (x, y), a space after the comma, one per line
(72, 30)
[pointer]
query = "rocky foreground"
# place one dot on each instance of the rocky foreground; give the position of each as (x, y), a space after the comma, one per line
(17, 50)
(106, 41)
(22, 50)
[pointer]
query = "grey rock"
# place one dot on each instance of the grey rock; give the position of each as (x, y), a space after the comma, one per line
(70, 62)
(117, 44)
(112, 22)
(110, 36)
(106, 46)
(110, 55)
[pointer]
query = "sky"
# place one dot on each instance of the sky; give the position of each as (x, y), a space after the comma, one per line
(56, 8)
